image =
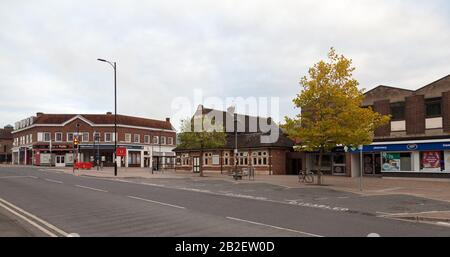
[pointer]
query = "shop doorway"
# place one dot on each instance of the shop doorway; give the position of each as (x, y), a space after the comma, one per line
(196, 164)
(295, 167)
(60, 161)
(372, 163)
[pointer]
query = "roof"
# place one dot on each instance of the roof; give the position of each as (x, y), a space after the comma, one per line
(6, 133)
(104, 119)
(409, 90)
(245, 139)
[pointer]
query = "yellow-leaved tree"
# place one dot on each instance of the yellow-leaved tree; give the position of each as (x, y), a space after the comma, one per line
(331, 112)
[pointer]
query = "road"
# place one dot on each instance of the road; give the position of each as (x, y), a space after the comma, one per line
(61, 204)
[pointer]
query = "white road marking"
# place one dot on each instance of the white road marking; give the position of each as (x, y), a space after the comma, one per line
(271, 226)
(54, 181)
(152, 201)
(17, 177)
(5, 205)
(91, 188)
(447, 224)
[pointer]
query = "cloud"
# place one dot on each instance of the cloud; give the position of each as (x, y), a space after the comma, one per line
(48, 50)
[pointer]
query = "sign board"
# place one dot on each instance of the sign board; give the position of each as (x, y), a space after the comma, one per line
(431, 161)
(121, 151)
(391, 162)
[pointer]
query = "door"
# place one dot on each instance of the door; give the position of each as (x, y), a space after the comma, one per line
(196, 164)
(60, 162)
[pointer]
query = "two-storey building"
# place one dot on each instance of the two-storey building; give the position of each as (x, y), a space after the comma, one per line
(416, 142)
(244, 147)
(6, 140)
(47, 139)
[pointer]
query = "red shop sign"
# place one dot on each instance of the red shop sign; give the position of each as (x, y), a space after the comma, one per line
(121, 151)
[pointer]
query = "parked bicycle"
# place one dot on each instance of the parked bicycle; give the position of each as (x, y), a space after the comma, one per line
(306, 176)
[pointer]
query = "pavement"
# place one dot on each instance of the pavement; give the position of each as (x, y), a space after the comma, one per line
(170, 204)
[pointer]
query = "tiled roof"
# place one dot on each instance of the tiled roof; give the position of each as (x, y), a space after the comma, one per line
(249, 140)
(5, 134)
(104, 119)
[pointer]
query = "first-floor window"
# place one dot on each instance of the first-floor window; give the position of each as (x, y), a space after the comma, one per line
(147, 139)
(226, 158)
(163, 140)
(108, 137)
(185, 159)
(137, 138)
(155, 140)
(243, 158)
(170, 140)
(69, 137)
(207, 158)
(97, 136)
(259, 158)
(58, 136)
(47, 136)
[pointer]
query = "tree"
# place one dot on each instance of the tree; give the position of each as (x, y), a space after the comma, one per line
(331, 112)
(201, 133)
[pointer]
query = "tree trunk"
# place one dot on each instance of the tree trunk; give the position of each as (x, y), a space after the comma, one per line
(319, 170)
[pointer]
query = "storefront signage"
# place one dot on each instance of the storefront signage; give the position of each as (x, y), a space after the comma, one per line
(408, 147)
(431, 161)
(121, 151)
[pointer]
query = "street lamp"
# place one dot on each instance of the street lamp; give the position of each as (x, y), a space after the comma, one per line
(115, 112)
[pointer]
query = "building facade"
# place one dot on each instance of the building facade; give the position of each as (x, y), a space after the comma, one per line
(6, 140)
(265, 158)
(47, 140)
(416, 142)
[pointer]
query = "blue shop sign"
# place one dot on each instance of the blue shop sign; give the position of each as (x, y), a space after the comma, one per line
(407, 147)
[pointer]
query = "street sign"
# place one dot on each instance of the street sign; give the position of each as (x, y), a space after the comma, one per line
(121, 151)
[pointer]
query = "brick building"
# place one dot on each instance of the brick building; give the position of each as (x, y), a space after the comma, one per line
(416, 142)
(6, 141)
(267, 158)
(47, 139)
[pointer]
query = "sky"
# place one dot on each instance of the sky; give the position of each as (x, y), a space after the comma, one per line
(168, 49)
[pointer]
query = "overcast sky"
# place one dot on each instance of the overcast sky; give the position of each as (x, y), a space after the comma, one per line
(165, 49)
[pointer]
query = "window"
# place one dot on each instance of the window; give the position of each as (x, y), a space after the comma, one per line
(226, 158)
(96, 136)
(326, 160)
(185, 159)
(163, 140)
(432, 161)
(147, 139)
(58, 136)
(398, 111)
(108, 137)
(69, 137)
(207, 158)
(47, 136)
(31, 138)
(170, 140)
(396, 162)
(84, 137)
(433, 107)
(243, 158)
(137, 138)
(155, 140)
(259, 158)
(128, 138)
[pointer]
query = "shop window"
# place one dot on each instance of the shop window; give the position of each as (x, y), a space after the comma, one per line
(326, 160)
(398, 111)
(396, 162)
(432, 161)
(259, 158)
(433, 107)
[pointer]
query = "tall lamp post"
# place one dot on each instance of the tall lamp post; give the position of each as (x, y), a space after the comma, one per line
(115, 112)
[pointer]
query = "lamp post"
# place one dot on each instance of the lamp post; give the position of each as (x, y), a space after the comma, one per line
(115, 112)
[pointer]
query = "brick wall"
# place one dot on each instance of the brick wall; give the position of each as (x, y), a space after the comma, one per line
(383, 107)
(446, 111)
(278, 161)
(415, 114)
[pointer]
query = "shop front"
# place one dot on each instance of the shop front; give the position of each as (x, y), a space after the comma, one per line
(421, 159)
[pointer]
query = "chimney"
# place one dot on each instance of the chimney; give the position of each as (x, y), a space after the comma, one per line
(109, 113)
(39, 114)
(168, 120)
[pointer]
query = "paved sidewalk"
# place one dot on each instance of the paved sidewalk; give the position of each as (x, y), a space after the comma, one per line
(436, 189)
